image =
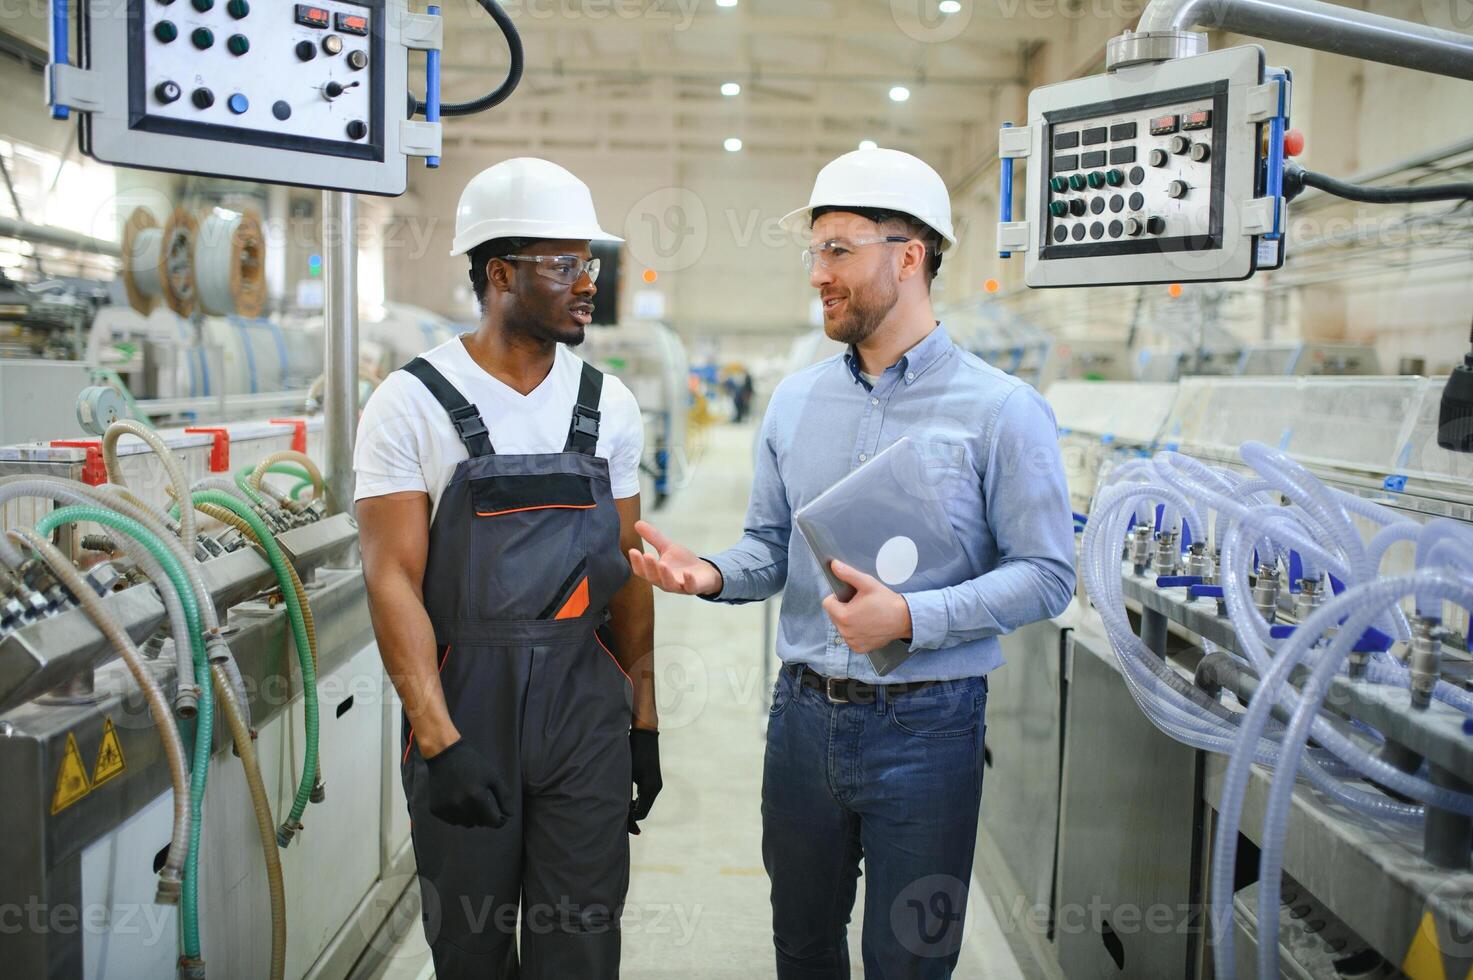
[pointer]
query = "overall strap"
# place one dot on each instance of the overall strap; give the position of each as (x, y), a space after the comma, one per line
(583, 433)
(463, 415)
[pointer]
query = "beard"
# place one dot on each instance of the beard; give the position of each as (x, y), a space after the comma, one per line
(865, 310)
(552, 326)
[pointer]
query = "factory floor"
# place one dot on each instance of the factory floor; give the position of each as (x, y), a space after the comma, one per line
(698, 898)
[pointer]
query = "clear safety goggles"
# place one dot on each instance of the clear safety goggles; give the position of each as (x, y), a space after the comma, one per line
(836, 251)
(566, 269)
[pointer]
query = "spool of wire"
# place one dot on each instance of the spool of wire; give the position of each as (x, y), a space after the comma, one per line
(176, 262)
(142, 268)
(229, 263)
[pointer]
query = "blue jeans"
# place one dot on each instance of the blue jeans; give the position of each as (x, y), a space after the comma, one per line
(897, 783)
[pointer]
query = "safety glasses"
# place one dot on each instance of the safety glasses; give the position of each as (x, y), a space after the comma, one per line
(836, 251)
(566, 269)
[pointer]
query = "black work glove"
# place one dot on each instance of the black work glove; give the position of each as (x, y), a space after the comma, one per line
(464, 788)
(644, 754)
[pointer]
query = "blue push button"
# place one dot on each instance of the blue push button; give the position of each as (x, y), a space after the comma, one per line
(238, 103)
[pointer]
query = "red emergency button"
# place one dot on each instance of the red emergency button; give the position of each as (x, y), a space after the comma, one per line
(1293, 143)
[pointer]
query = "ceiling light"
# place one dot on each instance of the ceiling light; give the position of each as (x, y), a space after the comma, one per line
(726, 3)
(730, 88)
(868, 145)
(949, 6)
(899, 93)
(732, 144)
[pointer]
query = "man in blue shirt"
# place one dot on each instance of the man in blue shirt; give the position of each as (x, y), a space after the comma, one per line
(859, 766)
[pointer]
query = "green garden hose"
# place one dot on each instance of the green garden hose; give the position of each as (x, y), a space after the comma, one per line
(281, 566)
(204, 732)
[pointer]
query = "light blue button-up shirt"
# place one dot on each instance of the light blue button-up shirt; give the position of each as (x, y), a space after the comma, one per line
(1004, 493)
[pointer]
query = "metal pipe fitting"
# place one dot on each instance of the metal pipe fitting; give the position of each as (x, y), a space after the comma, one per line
(1199, 562)
(1168, 552)
(1425, 660)
(1310, 597)
(1140, 549)
(1266, 591)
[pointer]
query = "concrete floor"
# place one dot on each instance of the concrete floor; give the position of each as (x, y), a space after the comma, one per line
(698, 901)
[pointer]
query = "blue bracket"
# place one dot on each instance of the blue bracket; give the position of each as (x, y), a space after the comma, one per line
(60, 48)
(1005, 191)
(432, 86)
(1278, 124)
(1396, 483)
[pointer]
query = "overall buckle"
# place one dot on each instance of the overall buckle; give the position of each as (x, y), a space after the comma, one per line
(469, 424)
(828, 690)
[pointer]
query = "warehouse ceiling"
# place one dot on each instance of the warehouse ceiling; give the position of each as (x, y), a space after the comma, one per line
(643, 77)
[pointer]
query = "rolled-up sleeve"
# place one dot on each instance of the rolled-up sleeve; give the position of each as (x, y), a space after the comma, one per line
(756, 567)
(1027, 507)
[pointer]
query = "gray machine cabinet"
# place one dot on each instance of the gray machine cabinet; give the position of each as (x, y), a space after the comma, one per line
(1129, 810)
(1020, 802)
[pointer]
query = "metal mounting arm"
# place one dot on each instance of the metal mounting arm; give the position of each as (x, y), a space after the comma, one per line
(1322, 26)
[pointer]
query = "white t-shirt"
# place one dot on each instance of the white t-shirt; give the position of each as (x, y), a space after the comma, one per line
(406, 441)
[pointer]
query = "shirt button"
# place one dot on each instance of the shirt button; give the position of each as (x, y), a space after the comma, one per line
(874, 401)
(863, 457)
(910, 376)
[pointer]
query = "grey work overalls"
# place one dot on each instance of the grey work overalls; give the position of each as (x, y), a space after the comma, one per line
(523, 559)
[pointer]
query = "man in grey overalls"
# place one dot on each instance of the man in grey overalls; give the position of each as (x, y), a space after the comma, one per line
(497, 486)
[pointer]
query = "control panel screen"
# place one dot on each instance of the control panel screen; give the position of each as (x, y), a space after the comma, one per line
(1135, 175)
(304, 77)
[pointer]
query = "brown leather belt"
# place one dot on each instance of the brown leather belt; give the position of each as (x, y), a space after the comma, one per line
(847, 690)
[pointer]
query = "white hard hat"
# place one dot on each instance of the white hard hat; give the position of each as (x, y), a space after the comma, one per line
(525, 198)
(880, 178)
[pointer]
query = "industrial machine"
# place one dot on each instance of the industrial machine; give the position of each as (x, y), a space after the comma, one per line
(650, 358)
(194, 720)
(1271, 639)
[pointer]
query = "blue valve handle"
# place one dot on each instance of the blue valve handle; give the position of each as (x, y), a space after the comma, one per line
(1204, 591)
(1177, 581)
(432, 87)
(60, 47)
(1005, 191)
(1371, 641)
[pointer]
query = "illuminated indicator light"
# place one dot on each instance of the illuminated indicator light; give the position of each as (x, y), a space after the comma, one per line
(353, 24)
(650, 275)
(1201, 119)
(991, 285)
(1162, 125)
(312, 16)
(1174, 290)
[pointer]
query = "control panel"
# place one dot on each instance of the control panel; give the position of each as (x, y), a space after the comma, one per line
(1155, 173)
(299, 93)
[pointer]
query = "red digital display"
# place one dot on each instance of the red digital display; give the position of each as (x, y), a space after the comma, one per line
(1162, 125)
(1201, 119)
(312, 16)
(352, 23)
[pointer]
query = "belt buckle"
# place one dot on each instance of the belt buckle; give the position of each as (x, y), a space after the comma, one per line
(828, 690)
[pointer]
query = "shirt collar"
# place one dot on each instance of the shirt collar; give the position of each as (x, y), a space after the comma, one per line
(914, 362)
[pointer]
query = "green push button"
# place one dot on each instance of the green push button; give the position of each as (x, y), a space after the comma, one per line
(1076, 181)
(1114, 178)
(238, 44)
(202, 5)
(1058, 208)
(202, 37)
(165, 31)
(237, 8)
(1059, 184)
(1096, 179)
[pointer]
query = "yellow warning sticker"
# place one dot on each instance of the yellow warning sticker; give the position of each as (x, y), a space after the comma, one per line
(109, 756)
(71, 779)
